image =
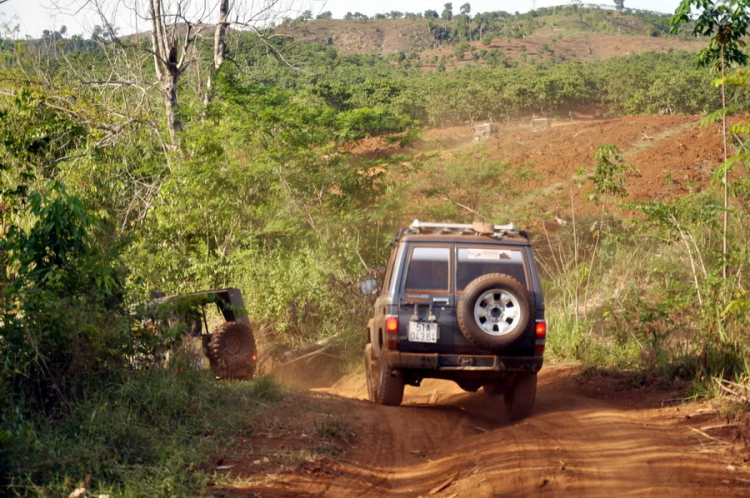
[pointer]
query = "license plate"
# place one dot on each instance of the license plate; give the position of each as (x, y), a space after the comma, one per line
(423, 332)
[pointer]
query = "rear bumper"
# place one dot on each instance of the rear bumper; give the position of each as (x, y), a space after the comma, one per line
(465, 363)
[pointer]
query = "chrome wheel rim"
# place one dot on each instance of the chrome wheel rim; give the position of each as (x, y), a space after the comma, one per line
(497, 312)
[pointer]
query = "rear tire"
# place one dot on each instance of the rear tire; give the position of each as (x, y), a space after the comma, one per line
(369, 373)
(231, 351)
(520, 396)
(389, 388)
(493, 311)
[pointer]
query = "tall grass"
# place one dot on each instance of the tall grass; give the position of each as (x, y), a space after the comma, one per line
(654, 305)
(152, 435)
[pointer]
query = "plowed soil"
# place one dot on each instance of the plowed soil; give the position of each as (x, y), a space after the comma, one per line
(589, 46)
(587, 438)
(671, 155)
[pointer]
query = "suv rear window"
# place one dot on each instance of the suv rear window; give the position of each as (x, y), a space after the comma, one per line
(428, 269)
(474, 262)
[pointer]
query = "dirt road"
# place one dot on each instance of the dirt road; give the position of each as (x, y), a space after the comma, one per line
(583, 440)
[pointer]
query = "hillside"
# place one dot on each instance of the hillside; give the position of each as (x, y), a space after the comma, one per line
(552, 49)
(565, 33)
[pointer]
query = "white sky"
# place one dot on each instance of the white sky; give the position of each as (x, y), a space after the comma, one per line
(33, 16)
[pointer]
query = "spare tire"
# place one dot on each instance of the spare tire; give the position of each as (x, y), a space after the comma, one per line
(493, 311)
(231, 351)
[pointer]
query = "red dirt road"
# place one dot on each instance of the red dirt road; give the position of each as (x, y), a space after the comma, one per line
(447, 443)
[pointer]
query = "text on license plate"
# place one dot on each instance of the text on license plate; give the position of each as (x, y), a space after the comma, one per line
(423, 332)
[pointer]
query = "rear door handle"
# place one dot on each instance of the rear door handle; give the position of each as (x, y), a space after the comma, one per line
(443, 300)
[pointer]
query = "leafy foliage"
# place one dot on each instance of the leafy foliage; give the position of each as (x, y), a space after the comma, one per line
(725, 22)
(608, 177)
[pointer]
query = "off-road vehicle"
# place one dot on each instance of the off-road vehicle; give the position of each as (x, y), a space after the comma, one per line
(230, 348)
(458, 302)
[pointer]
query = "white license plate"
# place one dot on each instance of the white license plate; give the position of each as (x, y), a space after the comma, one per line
(423, 332)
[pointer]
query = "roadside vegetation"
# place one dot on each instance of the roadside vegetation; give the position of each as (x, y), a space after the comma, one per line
(269, 182)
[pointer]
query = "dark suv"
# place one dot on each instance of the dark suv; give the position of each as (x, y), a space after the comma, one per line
(459, 302)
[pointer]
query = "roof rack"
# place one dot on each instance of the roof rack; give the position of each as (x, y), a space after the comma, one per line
(497, 231)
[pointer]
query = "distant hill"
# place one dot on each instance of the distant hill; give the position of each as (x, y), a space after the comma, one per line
(561, 33)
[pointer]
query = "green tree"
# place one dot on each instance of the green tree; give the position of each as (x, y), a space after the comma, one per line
(466, 9)
(447, 14)
(431, 14)
(608, 180)
(726, 23)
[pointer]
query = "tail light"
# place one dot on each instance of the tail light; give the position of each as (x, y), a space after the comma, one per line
(540, 334)
(541, 330)
(391, 327)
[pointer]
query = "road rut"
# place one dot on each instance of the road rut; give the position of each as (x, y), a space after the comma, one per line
(447, 443)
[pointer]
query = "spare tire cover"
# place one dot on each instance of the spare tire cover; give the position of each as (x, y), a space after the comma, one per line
(493, 311)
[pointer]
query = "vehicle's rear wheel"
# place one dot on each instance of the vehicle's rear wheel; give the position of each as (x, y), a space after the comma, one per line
(520, 396)
(231, 351)
(493, 311)
(389, 386)
(369, 373)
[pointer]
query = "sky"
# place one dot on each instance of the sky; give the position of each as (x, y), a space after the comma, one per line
(33, 16)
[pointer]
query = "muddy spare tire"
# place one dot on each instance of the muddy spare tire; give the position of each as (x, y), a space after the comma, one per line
(493, 311)
(231, 351)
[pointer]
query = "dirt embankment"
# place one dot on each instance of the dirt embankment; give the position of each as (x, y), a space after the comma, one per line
(583, 440)
(671, 156)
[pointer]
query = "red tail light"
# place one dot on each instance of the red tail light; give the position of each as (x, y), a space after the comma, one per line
(541, 330)
(391, 326)
(541, 337)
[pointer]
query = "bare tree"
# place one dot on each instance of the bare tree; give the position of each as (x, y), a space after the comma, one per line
(171, 51)
(220, 45)
(176, 29)
(252, 17)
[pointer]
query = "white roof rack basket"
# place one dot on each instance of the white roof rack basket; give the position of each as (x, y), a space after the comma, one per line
(464, 229)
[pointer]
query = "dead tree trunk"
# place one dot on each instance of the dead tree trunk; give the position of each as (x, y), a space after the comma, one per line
(220, 46)
(169, 81)
(170, 60)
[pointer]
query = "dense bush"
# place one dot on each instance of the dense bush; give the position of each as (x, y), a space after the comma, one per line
(649, 83)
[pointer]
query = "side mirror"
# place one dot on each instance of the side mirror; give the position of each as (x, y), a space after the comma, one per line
(369, 286)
